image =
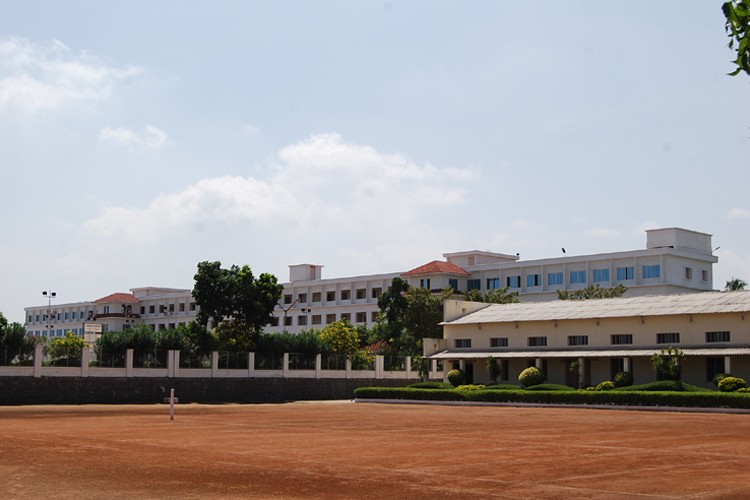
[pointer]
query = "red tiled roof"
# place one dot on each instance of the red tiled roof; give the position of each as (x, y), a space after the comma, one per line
(437, 267)
(118, 297)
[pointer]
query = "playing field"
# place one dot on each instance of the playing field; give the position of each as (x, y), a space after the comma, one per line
(365, 450)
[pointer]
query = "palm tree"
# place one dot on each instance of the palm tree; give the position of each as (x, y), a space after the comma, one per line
(735, 284)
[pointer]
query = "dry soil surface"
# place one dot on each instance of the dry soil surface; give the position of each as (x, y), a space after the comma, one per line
(363, 450)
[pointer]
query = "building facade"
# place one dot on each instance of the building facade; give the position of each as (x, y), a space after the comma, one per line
(675, 260)
(582, 343)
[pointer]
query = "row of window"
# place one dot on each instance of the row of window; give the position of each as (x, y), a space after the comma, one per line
(317, 319)
(615, 339)
(574, 277)
(126, 309)
(359, 294)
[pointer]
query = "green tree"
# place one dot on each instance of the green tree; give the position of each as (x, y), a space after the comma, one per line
(66, 350)
(735, 285)
(424, 312)
(493, 369)
(592, 292)
(342, 337)
(235, 293)
(3, 325)
(496, 296)
(392, 304)
(737, 27)
(668, 364)
(212, 292)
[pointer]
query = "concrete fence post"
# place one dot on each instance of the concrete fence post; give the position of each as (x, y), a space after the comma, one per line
(285, 365)
(348, 366)
(379, 364)
(214, 363)
(251, 364)
(173, 363)
(85, 359)
(129, 363)
(408, 367)
(318, 365)
(38, 360)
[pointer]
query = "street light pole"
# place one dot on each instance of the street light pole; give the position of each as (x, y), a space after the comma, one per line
(50, 295)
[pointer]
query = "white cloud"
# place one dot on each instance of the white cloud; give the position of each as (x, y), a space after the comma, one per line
(250, 130)
(738, 213)
(152, 138)
(35, 78)
(320, 186)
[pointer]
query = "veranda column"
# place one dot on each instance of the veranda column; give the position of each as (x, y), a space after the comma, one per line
(727, 364)
(581, 373)
(626, 365)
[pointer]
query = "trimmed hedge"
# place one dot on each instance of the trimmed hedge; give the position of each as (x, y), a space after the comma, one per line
(711, 399)
(665, 385)
(550, 387)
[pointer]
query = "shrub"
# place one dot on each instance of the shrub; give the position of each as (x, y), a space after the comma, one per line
(502, 387)
(623, 379)
(743, 389)
(456, 377)
(605, 386)
(731, 384)
(664, 385)
(431, 385)
(531, 376)
(470, 387)
(550, 387)
(718, 377)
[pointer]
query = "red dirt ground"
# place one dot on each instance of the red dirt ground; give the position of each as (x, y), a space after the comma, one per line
(365, 450)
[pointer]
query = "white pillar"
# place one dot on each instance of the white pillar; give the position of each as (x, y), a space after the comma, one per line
(538, 363)
(626, 364)
(727, 364)
(85, 359)
(38, 360)
(251, 364)
(407, 361)
(129, 363)
(285, 365)
(214, 363)
(318, 365)
(581, 372)
(348, 364)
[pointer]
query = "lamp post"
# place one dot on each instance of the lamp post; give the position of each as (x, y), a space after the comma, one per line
(307, 312)
(50, 295)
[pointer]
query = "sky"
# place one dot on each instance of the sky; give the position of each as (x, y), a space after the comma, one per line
(139, 138)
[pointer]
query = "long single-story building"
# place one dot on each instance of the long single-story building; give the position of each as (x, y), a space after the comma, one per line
(582, 343)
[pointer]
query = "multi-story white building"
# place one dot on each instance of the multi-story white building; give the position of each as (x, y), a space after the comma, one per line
(674, 261)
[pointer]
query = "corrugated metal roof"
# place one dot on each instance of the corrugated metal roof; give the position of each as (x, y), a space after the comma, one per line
(590, 353)
(655, 305)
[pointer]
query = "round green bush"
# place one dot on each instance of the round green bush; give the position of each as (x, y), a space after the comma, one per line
(471, 387)
(623, 379)
(731, 384)
(606, 385)
(456, 377)
(718, 378)
(531, 376)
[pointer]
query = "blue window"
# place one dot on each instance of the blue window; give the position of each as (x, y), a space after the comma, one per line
(533, 280)
(37, 317)
(493, 283)
(453, 283)
(67, 315)
(423, 283)
(474, 284)
(75, 314)
(513, 281)
(601, 275)
(625, 273)
(577, 277)
(555, 279)
(653, 271)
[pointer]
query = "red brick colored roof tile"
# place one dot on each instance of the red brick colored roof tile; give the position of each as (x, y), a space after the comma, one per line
(118, 297)
(437, 267)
